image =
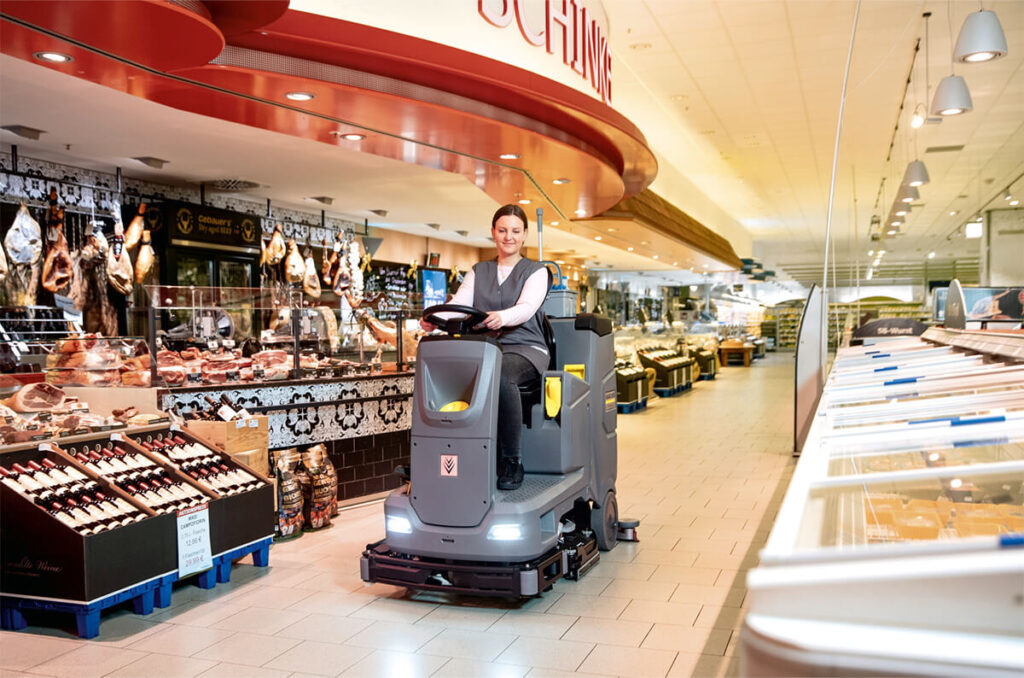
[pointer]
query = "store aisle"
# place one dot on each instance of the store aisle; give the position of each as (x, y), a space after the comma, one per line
(704, 471)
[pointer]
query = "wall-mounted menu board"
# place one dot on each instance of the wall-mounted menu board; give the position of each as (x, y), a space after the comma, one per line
(394, 280)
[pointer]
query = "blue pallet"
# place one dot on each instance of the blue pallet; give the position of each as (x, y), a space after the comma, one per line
(220, 573)
(629, 408)
(704, 376)
(668, 392)
(87, 615)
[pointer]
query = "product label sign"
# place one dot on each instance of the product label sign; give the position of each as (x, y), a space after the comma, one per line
(194, 540)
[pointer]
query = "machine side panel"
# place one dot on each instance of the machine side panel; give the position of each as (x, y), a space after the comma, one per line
(446, 472)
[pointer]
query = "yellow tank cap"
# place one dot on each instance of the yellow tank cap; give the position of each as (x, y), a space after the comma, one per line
(455, 406)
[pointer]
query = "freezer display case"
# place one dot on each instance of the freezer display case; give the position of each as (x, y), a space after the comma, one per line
(899, 547)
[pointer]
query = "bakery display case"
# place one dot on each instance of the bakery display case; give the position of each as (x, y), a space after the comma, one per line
(905, 514)
(673, 370)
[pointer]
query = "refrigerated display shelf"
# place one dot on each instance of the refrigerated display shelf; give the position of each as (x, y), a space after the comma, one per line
(905, 513)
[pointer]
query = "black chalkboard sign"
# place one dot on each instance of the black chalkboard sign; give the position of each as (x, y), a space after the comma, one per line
(399, 288)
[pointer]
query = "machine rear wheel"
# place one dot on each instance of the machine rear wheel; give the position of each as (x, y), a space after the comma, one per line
(604, 521)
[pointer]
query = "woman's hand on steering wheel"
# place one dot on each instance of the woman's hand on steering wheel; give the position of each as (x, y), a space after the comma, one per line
(472, 320)
(493, 321)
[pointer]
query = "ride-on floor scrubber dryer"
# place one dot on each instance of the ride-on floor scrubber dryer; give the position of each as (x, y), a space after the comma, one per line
(450, 528)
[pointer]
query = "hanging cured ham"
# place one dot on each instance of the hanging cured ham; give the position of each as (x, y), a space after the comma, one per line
(119, 265)
(98, 314)
(146, 258)
(57, 267)
(294, 266)
(133, 236)
(330, 267)
(276, 248)
(3, 264)
(24, 240)
(311, 281)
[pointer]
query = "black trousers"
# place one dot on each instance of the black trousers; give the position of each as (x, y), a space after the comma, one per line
(515, 371)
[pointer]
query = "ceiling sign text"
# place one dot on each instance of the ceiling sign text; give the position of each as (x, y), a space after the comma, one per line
(566, 23)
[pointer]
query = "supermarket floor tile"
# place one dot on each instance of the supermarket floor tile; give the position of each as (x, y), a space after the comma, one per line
(700, 471)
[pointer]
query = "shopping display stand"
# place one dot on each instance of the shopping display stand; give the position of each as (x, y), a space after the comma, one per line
(50, 567)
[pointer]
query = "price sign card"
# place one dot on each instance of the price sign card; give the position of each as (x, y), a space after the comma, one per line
(194, 540)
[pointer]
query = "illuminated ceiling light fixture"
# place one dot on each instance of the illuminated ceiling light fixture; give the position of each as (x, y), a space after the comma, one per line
(953, 213)
(300, 96)
(655, 256)
(580, 212)
(54, 57)
(896, 221)
(553, 223)
(1014, 202)
(353, 137)
(561, 180)
(951, 96)
(870, 275)
(524, 201)
(931, 255)
(972, 229)
(871, 253)
(629, 249)
(981, 38)
(509, 156)
(597, 237)
(901, 209)
(908, 194)
(917, 120)
(916, 174)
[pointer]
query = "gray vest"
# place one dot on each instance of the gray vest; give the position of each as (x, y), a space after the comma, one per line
(527, 339)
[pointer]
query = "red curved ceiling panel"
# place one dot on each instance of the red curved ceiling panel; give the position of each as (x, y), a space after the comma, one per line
(156, 33)
(463, 110)
(238, 16)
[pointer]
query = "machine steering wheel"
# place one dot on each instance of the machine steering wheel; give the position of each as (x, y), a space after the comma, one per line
(465, 325)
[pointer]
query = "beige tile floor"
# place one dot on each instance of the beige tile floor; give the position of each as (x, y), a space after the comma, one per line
(704, 472)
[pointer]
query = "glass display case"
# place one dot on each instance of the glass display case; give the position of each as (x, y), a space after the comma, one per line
(85, 360)
(899, 547)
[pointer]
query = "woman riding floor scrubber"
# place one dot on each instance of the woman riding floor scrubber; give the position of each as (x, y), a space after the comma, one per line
(449, 528)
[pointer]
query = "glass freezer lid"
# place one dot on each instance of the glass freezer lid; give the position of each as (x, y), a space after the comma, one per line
(940, 432)
(938, 457)
(960, 504)
(1007, 397)
(1007, 376)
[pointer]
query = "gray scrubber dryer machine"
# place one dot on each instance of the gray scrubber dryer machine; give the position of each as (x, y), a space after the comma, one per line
(450, 528)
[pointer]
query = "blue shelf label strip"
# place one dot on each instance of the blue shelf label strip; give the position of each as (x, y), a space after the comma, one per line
(886, 369)
(904, 380)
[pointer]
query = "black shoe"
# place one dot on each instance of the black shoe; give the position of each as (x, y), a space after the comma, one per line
(510, 473)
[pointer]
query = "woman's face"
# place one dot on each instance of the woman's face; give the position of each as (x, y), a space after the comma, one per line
(508, 233)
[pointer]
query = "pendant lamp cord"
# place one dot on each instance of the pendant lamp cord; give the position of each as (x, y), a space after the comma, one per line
(952, 46)
(832, 183)
(927, 66)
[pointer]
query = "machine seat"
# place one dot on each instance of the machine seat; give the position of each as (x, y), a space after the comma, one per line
(530, 394)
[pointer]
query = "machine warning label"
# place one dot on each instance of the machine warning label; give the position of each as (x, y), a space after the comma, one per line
(449, 465)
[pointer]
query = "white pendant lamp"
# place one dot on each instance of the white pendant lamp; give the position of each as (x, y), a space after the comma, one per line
(907, 194)
(981, 38)
(951, 97)
(916, 174)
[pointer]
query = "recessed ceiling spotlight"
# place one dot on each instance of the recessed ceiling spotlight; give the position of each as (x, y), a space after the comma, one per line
(54, 57)
(612, 230)
(559, 261)
(300, 96)
(655, 256)
(1014, 202)
(353, 136)
(931, 255)
(509, 156)
(953, 213)
(524, 201)
(643, 242)
(580, 212)
(675, 263)
(871, 252)
(629, 249)
(561, 180)
(597, 237)
(553, 223)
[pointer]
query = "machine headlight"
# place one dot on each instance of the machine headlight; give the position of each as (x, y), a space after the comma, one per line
(399, 524)
(505, 532)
